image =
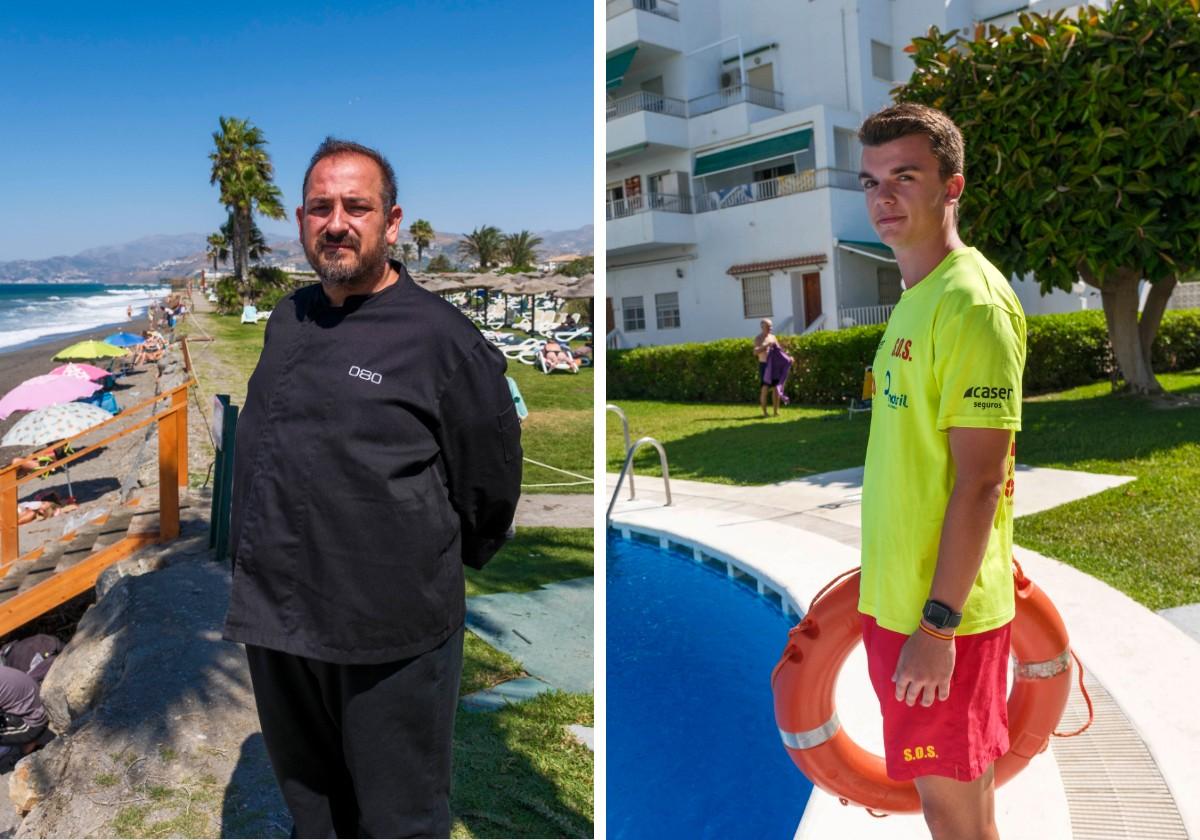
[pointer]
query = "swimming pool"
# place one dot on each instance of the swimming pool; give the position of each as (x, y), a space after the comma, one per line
(693, 750)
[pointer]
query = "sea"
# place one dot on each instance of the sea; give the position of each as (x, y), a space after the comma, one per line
(31, 313)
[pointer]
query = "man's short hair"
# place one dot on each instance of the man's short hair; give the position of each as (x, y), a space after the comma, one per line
(333, 146)
(907, 118)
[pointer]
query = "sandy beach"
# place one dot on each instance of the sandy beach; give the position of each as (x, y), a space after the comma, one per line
(92, 476)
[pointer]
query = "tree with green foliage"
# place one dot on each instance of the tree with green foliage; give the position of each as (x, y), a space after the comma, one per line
(422, 236)
(518, 249)
(256, 243)
(406, 251)
(1083, 152)
(243, 169)
(579, 267)
(440, 265)
(484, 245)
(218, 248)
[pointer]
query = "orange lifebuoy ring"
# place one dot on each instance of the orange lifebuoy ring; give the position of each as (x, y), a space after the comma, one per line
(803, 683)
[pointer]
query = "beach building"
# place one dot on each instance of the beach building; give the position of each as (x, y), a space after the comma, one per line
(732, 162)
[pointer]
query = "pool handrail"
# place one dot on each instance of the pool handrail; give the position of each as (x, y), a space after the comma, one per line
(628, 468)
(625, 431)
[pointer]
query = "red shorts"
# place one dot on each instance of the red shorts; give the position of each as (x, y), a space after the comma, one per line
(958, 737)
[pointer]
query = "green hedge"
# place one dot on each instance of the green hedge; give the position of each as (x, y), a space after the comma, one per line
(1064, 350)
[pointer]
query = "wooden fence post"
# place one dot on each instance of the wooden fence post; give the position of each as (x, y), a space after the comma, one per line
(168, 476)
(179, 400)
(10, 538)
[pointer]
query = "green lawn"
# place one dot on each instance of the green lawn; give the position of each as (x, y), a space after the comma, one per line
(535, 557)
(558, 431)
(1140, 538)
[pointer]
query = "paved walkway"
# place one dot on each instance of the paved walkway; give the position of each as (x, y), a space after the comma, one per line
(1134, 771)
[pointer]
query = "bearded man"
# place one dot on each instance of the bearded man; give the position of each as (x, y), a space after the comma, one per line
(378, 451)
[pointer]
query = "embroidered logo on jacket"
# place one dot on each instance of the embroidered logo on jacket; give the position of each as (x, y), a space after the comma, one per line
(369, 376)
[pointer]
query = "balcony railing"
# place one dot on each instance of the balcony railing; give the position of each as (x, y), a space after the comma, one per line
(857, 316)
(662, 8)
(644, 101)
(809, 179)
(641, 203)
(733, 95)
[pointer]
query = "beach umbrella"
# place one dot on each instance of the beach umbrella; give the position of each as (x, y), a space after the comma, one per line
(54, 423)
(124, 339)
(89, 350)
(41, 391)
(80, 371)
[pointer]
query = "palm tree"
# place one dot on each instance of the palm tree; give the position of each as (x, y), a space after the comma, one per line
(422, 234)
(518, 249)
(218, 248)
(406, 250)
(241, 166)
(482, 245)
(256, 244)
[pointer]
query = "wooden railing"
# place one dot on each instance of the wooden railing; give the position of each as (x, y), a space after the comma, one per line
(172, 466)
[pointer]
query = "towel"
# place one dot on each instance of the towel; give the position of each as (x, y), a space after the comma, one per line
(779, 364)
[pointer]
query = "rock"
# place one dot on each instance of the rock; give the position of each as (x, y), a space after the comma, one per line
(35, 775)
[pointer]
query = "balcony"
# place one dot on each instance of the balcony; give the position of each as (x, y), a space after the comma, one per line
(729, 112)
(810, 179)
(645, 121)
(644, 222)
(735, 95)
(652, 25)
(859, 316)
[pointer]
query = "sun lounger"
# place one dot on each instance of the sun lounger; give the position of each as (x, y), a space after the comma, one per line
(868, 391)
(563, 360)
(249, 314)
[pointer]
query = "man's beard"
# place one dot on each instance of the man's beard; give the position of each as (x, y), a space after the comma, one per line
(347, 268)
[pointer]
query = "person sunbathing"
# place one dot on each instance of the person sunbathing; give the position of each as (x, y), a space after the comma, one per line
(556, 355)
(150, 350)
(44, 506)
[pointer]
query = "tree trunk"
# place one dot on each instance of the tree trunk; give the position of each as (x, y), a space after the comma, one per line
(1152, 313)
(1119, 295)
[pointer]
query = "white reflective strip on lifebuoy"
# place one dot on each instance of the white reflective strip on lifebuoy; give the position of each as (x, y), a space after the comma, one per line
(1044, 670)
(813, 737)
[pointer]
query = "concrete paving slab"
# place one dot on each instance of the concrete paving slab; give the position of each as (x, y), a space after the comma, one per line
(585, 735)
(504, 694)
(556, 510)
(1186, 618)
(549, 630)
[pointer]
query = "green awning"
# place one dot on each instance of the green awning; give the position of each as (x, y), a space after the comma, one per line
(626, 151)
(868, 249)
(618, 65)
(785, 144)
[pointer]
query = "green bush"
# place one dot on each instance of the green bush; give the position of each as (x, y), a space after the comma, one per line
(1063, 351)
(229, 298)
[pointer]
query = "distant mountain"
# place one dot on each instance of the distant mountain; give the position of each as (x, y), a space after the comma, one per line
(174, 255)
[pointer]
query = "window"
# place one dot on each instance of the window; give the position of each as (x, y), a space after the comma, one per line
(666, 307)
(881, 61)
(756, 296)
(634, 313)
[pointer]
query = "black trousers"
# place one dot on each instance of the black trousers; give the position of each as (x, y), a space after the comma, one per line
(361, 750)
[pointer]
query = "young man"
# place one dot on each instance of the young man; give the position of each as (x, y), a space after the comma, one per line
(378, 451)
(936, 591)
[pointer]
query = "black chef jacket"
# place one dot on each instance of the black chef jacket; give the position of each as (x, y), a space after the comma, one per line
(378, 451)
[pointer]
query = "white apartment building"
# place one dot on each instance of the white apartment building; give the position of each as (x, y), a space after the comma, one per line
(732, 162)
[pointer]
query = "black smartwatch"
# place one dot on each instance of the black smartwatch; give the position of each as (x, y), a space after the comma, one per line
(940, 615)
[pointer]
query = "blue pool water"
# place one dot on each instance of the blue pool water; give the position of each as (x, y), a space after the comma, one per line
(693, 750)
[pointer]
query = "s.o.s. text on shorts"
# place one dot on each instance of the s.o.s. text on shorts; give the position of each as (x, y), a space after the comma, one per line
(958, 737)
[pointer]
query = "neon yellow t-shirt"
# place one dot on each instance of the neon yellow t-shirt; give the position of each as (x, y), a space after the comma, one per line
(952, 355)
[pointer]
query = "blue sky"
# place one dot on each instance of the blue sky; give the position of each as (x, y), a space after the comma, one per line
(483, 108)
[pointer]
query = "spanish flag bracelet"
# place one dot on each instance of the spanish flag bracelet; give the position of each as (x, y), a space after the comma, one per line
(936, 635)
